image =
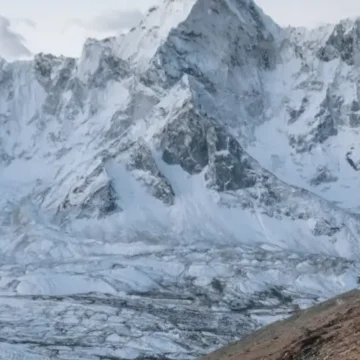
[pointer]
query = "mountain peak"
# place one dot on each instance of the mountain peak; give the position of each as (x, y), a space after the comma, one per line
(142, 43)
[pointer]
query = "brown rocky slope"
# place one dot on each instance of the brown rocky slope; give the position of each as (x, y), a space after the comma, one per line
(330, 331)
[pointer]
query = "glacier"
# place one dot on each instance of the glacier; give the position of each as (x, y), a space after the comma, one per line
(178, 186)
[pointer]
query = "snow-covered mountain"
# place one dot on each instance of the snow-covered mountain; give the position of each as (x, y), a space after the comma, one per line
(179, 186)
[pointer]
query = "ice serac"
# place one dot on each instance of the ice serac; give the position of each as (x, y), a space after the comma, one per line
(177, 187)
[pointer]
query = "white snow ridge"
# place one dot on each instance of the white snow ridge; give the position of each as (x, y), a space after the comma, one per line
(177, 187)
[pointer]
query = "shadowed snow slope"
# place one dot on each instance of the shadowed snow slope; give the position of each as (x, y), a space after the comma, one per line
(178, 186)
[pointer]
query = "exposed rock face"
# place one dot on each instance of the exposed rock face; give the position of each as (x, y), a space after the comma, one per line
(324, 332)
(343, 43)
(184, 141)
(146, 171)
(101, 201)
(230, 167)
(246, 41)
(322, 176)
(195, 141)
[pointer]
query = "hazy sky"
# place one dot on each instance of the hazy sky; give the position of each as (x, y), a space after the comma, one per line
(298, 12)
(61, 26)
(310, 12)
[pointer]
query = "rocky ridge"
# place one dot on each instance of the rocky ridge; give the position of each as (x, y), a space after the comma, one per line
(326, 331)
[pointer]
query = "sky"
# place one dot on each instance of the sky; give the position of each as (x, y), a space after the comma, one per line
(61, 27)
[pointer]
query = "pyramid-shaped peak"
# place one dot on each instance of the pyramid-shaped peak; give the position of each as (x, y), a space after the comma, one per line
(143, 41)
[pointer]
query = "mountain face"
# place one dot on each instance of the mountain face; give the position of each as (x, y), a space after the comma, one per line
(177, 187)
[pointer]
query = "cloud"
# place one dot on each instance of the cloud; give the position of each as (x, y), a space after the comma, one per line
(22, 37)
(28, 22)
(113, 21)
(11, 43)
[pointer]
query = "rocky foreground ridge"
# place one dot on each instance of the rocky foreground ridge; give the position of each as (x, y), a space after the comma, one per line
(329, 331)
